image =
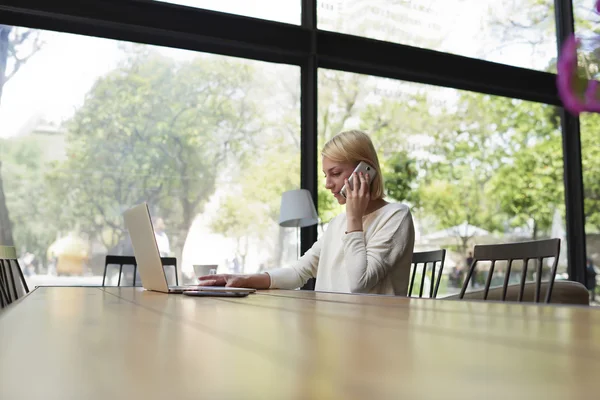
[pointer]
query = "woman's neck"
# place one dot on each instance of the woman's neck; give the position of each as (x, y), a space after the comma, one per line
(375, 205)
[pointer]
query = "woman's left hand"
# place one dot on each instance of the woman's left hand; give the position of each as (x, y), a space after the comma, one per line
(357, 200)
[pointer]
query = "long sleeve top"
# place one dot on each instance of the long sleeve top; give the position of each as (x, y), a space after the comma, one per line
(375, 261)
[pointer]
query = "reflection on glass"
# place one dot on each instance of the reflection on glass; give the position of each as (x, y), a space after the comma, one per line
(509, 32)
(475, 168)
(91, 127)
(586, 27)
(590, 160)
(288, 11)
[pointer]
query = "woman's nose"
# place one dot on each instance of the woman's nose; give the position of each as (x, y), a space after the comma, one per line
(328, 184)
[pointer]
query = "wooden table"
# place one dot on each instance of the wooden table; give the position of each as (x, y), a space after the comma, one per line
(111, 343)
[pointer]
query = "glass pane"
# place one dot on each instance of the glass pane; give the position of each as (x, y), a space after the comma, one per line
(590, 160)
(510, 32)
(475, 169)
(288, 11)
(91, 127)
(587, 27)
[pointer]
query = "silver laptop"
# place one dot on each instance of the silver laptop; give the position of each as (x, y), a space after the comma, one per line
(145, 249)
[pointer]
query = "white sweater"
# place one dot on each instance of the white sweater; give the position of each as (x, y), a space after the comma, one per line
(376, 260)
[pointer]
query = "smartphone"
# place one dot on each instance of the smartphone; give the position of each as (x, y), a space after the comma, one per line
(365, 169)
(198, 293)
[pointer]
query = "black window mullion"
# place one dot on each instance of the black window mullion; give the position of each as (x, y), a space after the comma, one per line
(573, 173)
(309, 124)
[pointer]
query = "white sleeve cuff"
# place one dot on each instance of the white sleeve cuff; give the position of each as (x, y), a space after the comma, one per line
(353, 236)
(284, 278)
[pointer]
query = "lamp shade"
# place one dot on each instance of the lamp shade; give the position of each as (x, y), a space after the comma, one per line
(297, 209)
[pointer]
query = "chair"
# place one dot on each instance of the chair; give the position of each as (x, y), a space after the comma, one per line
(564, 292)
(9, 289)
(425, 258)
(525, 251)
(130, 260)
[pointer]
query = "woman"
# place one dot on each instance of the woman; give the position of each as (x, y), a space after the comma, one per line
(367, 249)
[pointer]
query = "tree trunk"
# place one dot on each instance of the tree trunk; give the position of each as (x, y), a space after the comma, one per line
(535, 230)
(6, 236)
(4, 33)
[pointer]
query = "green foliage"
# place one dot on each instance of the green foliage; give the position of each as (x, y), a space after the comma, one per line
(590, 152)
(399, 174)
(393, 126)
(486, 155)
(153, 130)
(160, 130)
(250, 212)
(23, 173)
(340, 95)
(530, 187)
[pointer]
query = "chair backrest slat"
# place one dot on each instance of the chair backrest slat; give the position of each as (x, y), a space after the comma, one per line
(489, 280)
(517, 251)
(12, 280)
(428, 257)
(533, 250)
(523, 278)
(506, 279)
(431, 286)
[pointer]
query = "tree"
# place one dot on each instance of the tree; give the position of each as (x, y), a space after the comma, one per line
(400, 175)
(397, 127)
(17, 46)
(26, 195)
(239, 223)
(451, 205)
(251, 211)
(529, 185)
(590, 144)
(472, 139)
(154, 130)
(340, 97)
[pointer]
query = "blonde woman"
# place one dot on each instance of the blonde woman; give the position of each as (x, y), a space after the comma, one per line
(367, 249)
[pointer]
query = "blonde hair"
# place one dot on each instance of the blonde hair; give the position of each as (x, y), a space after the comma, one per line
(353, 147)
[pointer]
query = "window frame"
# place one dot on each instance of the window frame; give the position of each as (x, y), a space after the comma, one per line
(172, 25)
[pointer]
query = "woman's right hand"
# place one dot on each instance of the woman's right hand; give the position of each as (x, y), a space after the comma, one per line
(255, 281)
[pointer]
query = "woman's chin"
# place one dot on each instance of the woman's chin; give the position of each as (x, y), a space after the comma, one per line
(341, 199)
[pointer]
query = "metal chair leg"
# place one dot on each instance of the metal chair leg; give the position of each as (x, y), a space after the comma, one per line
(12, 280)
(3, 297)
(4, 282)
(3, 294)
(134, 274)
(22, 277)
(120, 273)
(412, 279)
(104, 277)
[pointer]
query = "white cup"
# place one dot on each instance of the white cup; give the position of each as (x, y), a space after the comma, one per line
(201, 270)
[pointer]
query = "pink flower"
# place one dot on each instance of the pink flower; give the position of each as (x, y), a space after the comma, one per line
(576, 94)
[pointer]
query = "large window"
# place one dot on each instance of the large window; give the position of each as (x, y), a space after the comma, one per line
(520, 33)
(586, 27)
(590, 153)
(288, 11)
(92, 126)
(474, 168)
